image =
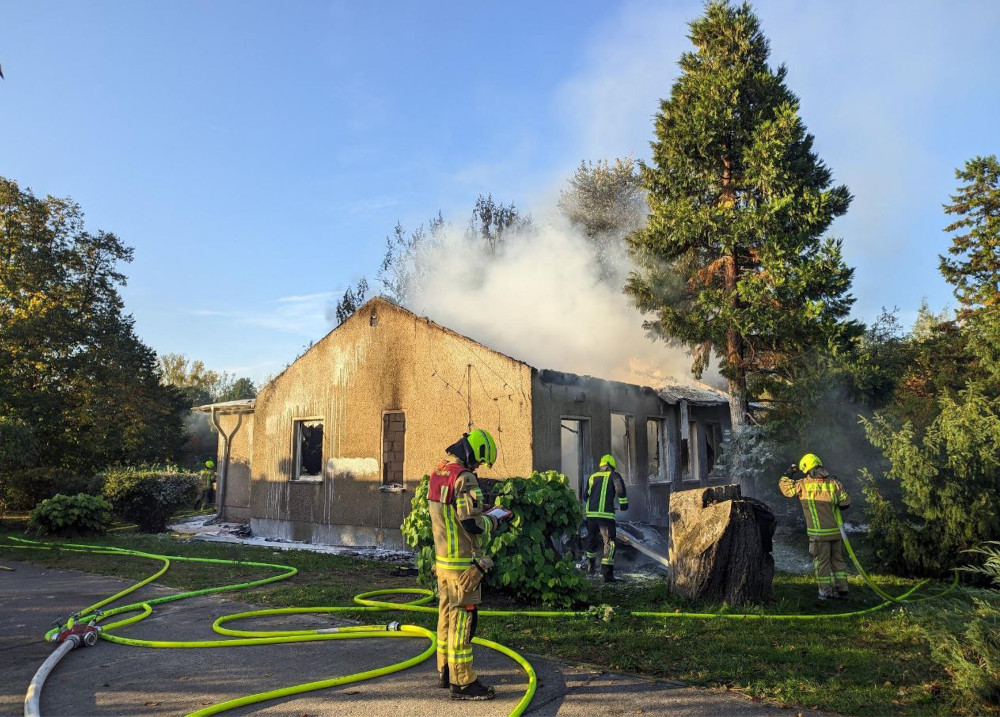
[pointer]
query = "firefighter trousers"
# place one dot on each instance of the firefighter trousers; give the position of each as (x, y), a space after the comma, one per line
(601, 530)
(455, 629)
(830, 566)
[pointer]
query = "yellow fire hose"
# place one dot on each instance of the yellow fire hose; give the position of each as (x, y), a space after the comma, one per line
(93, 617)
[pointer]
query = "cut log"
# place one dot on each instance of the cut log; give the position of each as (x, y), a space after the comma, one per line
(720, 546)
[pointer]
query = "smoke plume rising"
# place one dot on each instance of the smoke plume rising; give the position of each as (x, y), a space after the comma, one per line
(542, 299)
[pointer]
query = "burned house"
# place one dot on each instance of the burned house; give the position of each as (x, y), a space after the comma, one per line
(332, 449)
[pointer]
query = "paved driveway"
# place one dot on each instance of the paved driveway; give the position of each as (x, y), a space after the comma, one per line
(111, 679)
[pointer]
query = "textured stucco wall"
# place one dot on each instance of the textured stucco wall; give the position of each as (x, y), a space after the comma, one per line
(396, 362)
(237, 506)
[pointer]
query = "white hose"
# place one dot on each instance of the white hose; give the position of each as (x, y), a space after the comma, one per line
(33, 698)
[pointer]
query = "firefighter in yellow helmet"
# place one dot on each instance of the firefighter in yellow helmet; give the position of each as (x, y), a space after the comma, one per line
(604, 491)
(822, 497)
(461, 532)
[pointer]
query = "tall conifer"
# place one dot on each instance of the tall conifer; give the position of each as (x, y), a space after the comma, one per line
(732, 261)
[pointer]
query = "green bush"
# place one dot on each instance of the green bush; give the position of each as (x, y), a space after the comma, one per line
(964, 637)
(24, 488)
(71, 515)
(148, 497)
(527, 566)
(948, 477)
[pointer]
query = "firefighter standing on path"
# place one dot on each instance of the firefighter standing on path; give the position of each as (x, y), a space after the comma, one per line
(207, 497)
(604, 489)
(822, 497)
(461, 531)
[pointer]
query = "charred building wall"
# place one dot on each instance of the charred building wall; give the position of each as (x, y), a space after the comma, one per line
(344, 435)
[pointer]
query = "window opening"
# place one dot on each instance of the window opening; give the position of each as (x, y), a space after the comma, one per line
(309, 449)
(623, 444)
(393, 447)
(573, 442)
(713, 444)
(654, 449)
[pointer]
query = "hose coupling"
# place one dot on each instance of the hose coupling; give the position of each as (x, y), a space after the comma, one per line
(394, 626)
(79, 635)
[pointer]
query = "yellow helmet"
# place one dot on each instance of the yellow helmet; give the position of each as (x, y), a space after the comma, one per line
(484, 448)
(808, 462)
(609, 460)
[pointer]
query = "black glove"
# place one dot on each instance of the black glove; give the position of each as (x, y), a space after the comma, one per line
(792, 470)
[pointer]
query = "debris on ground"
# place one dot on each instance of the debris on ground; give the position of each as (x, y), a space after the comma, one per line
(207, 528)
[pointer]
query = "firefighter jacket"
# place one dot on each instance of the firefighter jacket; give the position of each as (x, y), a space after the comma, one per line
(604, 489)
(821, 496)
(461, 531)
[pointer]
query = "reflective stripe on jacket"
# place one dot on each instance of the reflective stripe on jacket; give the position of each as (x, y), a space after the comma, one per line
(602, 490)
(819, 493)
(454, 496)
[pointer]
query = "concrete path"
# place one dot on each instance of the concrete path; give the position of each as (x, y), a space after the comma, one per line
(111, 679)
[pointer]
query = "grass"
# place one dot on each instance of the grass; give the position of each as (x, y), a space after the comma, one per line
(881, 663)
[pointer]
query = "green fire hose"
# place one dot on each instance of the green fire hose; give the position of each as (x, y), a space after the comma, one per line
(94, 617)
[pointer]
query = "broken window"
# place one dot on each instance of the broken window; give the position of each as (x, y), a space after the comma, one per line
(689, 455)
(573, 442)
(623, 444)
(393, 447)
(309, 449)
(654, 449)
(713, 444)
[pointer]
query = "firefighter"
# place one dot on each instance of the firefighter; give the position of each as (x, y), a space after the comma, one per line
(822, 497)
(461, 532)
(207, 498)
(604, 489)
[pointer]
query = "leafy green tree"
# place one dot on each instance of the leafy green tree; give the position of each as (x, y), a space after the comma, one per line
(400, 268)
(974, 264)
(351, 301)
(732, 261)
(492, 220)
(71, 367)
(199, 384)
(606, 201)
(240, 389)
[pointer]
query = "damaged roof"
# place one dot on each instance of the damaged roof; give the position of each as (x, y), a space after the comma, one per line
(694, 395)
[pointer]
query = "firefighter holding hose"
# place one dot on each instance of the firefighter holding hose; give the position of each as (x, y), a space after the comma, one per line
(822, 496)
(461, 531)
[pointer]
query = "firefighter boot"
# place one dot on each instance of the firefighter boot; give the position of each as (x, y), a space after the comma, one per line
(591, 566)
(475, 690)
(609, 573)
(444, 679)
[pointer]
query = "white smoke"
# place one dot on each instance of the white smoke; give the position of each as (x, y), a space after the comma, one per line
(541, 300)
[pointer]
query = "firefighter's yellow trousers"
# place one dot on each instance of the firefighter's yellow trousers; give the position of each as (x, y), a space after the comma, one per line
(456, 628)
(830, 566)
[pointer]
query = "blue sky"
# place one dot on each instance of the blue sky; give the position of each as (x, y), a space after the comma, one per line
(256, 154)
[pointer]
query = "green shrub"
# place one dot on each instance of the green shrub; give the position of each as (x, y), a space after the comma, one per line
(24, 488)
(148, 497)
(71, 515)
(527, 566)
(964, 638)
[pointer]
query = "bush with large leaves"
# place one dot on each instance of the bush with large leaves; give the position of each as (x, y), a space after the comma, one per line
(148, 497)
(528, 567)
(71, 515)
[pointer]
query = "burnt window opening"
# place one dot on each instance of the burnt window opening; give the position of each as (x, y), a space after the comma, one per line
(713, 444)
(654, 449)
(623, 444)
(574, 452)
(393, 447)
(688, 455)
(309, 449)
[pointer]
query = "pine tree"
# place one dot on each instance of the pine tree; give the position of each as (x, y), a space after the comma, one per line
(732, 261)
(975, 269)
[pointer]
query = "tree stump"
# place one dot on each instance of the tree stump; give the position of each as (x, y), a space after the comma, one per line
(720, 546)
